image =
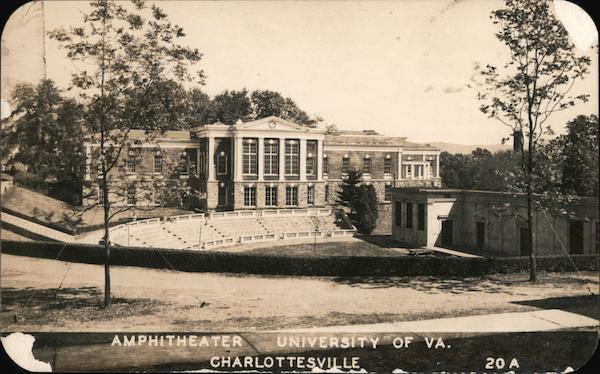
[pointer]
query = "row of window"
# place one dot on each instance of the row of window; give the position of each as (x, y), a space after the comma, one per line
(291, 196)
(271, 162)
(271, 157)
(186, 164)
(409, 215)
(270, 196)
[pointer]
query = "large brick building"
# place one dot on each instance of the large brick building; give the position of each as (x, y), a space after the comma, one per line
(267, 163)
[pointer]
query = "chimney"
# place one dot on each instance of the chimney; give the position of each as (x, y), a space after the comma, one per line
(517, 141)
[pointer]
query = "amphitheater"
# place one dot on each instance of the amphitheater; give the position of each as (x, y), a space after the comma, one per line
(205, 231)
(27, 214)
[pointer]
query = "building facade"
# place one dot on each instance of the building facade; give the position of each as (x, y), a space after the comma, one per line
(267, 163)
(491, 222)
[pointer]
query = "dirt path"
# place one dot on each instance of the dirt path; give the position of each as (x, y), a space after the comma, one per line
(159, 300)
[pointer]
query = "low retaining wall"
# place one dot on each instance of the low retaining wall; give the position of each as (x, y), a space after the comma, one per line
(221, 262)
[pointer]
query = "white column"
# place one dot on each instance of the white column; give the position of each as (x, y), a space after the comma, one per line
(399, 175)
(319, 159)
(237, 159)
(302, 159)
(281, 159)
(211, 158)
(261, 158)
(437, 166)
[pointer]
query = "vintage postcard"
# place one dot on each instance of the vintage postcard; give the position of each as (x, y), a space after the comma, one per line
(299, 186)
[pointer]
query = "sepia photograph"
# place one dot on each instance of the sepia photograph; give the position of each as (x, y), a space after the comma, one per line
(268, 186)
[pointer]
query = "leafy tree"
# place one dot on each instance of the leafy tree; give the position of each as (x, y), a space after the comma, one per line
(45, 134)
(166, 106)
(535, 83)
(348, 188)
(202, 109)
(231, 106)
(271, 103)
(361, 201)
(126, 57)
(580, 149)
(366, 209)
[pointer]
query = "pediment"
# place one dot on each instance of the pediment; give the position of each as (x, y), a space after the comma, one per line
(272, 124)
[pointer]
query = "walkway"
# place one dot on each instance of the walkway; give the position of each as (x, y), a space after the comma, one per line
(539, 320)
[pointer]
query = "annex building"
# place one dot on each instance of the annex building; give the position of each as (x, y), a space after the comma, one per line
(492, 222)
(263, 164)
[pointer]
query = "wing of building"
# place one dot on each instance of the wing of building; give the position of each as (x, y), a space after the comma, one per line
(267, 163)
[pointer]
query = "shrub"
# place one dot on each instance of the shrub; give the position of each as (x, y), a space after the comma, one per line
(222, 262)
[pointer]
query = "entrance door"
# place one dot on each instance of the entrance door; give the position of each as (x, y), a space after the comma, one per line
(524, 241)
(576, 237)
(447, 230)
(223, 192)
(480, 235)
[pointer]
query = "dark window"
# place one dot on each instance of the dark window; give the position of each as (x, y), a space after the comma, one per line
(409, 215)
(345, 165)
(367, 165)
(184, 164)
(420, 217)
(387, 166)
(130, 165)
(310, 198)
(249, 196)
(325, 165)
(221, 164)
(398, 217)
(387, 196)
(271, 196)
(292, 157)
(327, 193)
(249, 157)
(271, 149)
(157, 163)
(291, 196)
(131, 195)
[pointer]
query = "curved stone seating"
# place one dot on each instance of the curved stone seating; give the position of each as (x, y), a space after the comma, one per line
(213, 230)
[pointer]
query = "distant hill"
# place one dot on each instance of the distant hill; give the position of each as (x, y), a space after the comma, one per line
(465, 149)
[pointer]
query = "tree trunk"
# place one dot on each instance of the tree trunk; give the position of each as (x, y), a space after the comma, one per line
(530, 227)
(530, 158)
(107, 251)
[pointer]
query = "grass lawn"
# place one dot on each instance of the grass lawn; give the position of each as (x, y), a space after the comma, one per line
(349, 248)
(47, 210)
(374, 245)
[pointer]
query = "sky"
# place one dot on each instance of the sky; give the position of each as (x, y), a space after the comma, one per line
(398, 67)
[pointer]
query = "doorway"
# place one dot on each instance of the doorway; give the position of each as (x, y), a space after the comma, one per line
(480, 235)
(524, 241)
(576, 237)
(447, 232)
(222, 199)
